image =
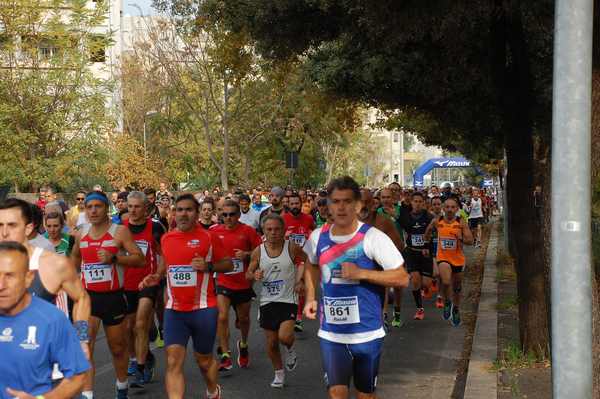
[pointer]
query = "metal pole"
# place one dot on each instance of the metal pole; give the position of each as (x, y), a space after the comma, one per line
(571, 219)
(145, 152)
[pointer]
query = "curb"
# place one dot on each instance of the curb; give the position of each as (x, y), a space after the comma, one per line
(481, 381)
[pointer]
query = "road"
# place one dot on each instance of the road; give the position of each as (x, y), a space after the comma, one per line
(419, 361)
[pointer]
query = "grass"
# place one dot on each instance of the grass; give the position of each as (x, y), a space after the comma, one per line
(513, 357)
(508, 303)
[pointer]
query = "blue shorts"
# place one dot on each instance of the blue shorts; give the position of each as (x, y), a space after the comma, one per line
(200, 325)
(343, 362)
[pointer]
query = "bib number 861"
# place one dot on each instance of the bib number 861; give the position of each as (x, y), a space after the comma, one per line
(339, 311)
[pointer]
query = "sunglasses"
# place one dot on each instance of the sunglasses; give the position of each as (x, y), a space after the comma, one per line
(230, 214)
(80, 199)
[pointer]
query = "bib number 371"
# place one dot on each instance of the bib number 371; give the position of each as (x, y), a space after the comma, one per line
(341, 310)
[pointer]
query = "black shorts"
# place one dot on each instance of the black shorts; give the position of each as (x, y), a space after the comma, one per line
(474, 222)
(416, 262)
(274, 313)
(455, 269)
(237, 297)
(110, 307)
(133, 297)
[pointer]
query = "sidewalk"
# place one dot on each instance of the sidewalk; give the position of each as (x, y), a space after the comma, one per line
(421, 359)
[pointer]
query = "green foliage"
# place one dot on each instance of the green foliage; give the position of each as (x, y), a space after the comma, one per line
(52, 109)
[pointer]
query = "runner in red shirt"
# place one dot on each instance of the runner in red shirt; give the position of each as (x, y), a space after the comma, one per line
(233, 289)
(191, 256)
(298, 227)
(104, 251)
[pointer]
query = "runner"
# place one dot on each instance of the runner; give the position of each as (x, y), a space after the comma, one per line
(475, 210)
(321, 213)
(191, 255)
(140, 303)
(368, 215)
(354, 261)
(62, 242)
(417, 253)
(76, 215)
(207, 213)
(276, 199)
(233, 289)
(248, 215)
(273, 265)
(35, 335)
(97, 249)
(436, 211)
(35, 238)
(53, 273)
(298, 227)
(453, 233)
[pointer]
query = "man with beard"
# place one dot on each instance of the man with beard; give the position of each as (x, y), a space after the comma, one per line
(298, 227)
(369, 215)
(276, 200)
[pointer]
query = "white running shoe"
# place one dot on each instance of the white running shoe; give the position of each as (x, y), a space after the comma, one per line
(279, 379)
(291, 360)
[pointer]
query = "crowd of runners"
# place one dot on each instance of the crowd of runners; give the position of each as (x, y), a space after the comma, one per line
(152, 266)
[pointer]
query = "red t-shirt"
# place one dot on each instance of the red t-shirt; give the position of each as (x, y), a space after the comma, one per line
(145, 242)
(188, 289)
(242, 237)
(298, 228)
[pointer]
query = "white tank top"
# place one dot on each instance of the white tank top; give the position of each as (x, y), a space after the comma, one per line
(279, 276)
(476, 211)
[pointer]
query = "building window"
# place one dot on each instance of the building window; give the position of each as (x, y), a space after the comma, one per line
(97, 48)
(396, 137)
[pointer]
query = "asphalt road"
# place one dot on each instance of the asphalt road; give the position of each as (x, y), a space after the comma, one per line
(419, 361)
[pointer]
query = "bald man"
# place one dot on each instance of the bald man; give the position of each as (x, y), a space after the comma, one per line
(35, 333)
(369, 215)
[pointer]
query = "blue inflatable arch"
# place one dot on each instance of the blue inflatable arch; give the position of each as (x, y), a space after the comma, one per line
(430, 164)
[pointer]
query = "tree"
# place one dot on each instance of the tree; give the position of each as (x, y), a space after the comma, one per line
(52, 109)
(475, 77)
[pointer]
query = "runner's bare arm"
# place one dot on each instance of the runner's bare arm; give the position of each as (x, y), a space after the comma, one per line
(467, 236)
(254, 262)
(75, 253)
(135, 257)
(223, 266)
(311, 279)
(298, 253)
(429, 230)
(388, 278)
(71, 284)
(153, 279)
(67, 388)
(390, 230)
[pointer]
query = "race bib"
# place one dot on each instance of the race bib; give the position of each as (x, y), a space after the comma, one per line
(183, 276)
(273, 288)
(95, 273)
(417, 240)
(238, 266)
(298, 239)
(142, 245)
(448, 243)
(342, 310)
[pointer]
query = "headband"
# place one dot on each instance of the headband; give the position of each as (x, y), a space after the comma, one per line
(96, 196)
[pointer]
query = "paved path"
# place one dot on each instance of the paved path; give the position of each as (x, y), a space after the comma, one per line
(419, 361)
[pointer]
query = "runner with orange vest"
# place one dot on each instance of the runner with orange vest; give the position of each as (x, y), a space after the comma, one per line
(104, 250)
(191, 256)
(452, 233)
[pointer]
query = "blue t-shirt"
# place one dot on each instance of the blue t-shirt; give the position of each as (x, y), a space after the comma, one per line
(31, 342)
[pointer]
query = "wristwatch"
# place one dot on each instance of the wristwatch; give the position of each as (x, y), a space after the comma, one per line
(114, 258)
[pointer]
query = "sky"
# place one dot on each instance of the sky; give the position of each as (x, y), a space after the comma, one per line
(145, 5)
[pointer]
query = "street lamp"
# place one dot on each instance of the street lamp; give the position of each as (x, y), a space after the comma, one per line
(147, 114)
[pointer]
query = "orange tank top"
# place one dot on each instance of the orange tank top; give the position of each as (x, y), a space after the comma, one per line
(450, 247)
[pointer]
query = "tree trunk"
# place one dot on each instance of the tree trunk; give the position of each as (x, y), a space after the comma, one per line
(225, 130)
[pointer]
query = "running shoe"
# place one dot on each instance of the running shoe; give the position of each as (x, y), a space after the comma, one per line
(447, 310)
(159, 343)
(226, 364)
(132, 367)
(299, 326)
(439, 302)
(138, 379)
(455, 317)
(243, 358)
(397, 322)
(291, 360)
(149, 369)
(123, 393)
(216, 395)
(420, 314)
(278, 381)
